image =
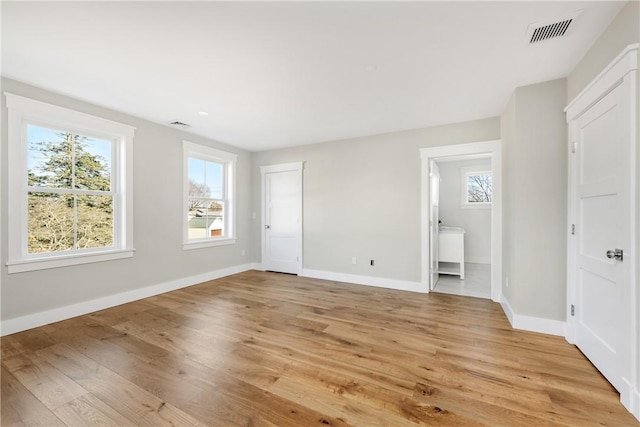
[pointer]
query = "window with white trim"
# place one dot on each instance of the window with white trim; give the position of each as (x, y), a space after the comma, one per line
(209, 199)
(477, 188)
(70, 187)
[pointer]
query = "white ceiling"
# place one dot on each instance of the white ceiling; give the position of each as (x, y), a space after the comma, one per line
(272, 75)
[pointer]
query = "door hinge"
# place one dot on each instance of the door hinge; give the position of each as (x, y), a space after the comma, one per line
(573, 229)
(574, 146)
(573, 310)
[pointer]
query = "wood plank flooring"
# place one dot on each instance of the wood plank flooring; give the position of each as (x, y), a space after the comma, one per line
(267, 349)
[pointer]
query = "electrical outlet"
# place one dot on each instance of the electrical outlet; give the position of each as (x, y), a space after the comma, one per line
(354, 260)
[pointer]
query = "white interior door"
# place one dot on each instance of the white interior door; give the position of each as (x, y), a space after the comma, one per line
(603, 214)
(282, 215)
(434, 206)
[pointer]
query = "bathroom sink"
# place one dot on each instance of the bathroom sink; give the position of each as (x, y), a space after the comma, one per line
(447, 229)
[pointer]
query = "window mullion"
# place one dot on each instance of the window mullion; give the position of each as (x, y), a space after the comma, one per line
(205, 177)
(73, 162)
(113, 193)
(75, 222)
(73, 187)
(80, 192)
(227, 205)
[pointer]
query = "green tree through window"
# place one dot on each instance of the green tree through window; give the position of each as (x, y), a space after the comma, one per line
(70, 204)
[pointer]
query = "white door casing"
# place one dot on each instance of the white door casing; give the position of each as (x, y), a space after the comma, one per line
(282, 217)
(434, 220)
(602, 290)
(493, 148)
(601, 195)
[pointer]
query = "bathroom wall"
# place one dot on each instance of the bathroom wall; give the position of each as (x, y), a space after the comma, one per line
(475, 220)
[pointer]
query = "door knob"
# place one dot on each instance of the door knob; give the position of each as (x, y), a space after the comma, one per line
(615, 254)
(267, 227)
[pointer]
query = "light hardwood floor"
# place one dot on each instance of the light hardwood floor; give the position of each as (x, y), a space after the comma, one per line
(267, 349)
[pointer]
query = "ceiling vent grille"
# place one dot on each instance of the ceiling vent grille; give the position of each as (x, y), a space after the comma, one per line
(180, 124)
(557, 29)
(541, 31)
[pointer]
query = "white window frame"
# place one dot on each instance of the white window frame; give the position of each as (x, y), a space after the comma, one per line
(23, 111)
(464, 175)
(203, 152)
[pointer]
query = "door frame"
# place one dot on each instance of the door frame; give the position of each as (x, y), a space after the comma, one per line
(494, 150)
(433, 240)
(282, 167)
(622, 71)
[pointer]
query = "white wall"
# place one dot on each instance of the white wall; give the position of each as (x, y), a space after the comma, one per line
(362, 198)
(159, 257)
(623, 31)
(535, 200)
(509, 137)
(476, 221)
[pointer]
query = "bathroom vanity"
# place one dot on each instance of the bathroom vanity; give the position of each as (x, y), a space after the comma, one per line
(451, 251)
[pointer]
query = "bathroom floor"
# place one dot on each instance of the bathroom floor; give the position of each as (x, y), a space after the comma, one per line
(477, 282)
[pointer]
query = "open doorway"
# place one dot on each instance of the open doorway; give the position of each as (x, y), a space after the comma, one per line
(462, 201)
(462, 221)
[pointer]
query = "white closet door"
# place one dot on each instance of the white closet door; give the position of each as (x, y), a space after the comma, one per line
(282, 229)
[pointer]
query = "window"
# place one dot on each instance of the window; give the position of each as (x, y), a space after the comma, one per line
(69, 186)
(477, 188)
(209, 205)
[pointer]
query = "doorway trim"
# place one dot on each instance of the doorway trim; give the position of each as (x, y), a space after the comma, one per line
(622, 71)
(493, 148)
(282, 167)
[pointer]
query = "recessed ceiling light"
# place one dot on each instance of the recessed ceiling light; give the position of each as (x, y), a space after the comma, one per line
(369, 68)
(203, 113)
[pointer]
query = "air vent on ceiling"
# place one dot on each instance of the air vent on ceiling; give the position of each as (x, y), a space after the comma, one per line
(550, 29)
(181, 124)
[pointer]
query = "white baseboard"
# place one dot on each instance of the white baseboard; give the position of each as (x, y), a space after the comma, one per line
(258, 266)
(630, 398)
(532, 324)
(635, 404)
(34, 320)
(506, 307)
(381, 282)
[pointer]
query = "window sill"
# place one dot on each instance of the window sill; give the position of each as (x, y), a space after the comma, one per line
(24, 265)
(208, 243)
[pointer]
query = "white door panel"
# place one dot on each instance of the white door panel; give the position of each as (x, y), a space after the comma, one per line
(597, 231)
(598, 160)
(602, 192)
(281, 251)
(282, 207)
(598, 302)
